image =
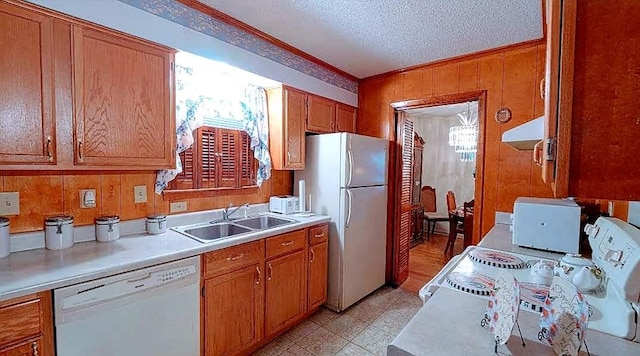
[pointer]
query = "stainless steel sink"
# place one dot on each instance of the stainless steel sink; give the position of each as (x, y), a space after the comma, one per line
(212, 232)
(220, 229)
(263, 222)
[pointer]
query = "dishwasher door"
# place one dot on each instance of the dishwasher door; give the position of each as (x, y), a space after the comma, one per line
(152, 311)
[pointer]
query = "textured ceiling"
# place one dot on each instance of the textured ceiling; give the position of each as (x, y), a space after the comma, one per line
(369, 37)
(443, 110)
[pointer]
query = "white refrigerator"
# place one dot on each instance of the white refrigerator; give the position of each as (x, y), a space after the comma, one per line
(346, 178)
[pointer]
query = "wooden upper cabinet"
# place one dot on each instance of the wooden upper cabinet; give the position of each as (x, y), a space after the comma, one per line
(123, 101)
(287, 113)
(345, 118)
(27, 121)
(593, 64)
(321, 114)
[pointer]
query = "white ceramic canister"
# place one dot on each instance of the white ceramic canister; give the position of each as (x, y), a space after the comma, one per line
(156, 224)
(5, 247)
(58, 232)
(108, 228)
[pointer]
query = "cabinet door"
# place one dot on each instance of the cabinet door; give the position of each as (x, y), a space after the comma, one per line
(32, 347)
(286, 291)
(124, 111)
(345, 118)
(318, 262)
(294, 113)
(233, 311)
(321, 114)
(27, 125)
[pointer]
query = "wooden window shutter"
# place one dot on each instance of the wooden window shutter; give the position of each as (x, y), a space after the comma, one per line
(247, 162)
(229, 148)
(208, 156)
(186, 179)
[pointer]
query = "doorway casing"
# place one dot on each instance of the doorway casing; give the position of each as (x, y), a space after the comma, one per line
(396, 271)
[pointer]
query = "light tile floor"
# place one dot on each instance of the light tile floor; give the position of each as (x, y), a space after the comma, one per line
(366, 328)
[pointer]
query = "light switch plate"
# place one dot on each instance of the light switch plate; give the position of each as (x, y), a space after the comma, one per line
(10, 203)
(87, 198)
(140, 194)
(178, 207)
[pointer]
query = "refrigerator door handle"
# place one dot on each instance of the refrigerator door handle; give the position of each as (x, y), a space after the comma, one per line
(350, 204)
(350, 167)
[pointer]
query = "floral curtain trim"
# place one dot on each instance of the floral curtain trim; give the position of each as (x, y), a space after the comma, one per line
(256, 125)
(188, 102)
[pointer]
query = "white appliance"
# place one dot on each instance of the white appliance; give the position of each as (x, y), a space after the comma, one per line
(547, 224)
(153, 311)
(346, 177)
(284, 204)
(613, 307)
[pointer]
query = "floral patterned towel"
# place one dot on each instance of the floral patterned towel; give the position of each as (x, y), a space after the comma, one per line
(503, 307)
(564, 319)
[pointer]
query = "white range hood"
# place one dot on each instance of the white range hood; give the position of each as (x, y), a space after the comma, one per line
(525, 136)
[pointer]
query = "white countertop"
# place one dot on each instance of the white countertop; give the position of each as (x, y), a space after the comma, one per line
(37, 270)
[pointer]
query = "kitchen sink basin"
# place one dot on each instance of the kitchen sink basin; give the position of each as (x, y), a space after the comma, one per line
(215, 231)
(263, 222)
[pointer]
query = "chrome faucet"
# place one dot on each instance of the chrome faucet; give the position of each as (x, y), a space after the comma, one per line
(226, 213)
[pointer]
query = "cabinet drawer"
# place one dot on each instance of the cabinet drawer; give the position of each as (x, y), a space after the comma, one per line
(21, 321)
(232, 258)
(285, 243)
(318, 234)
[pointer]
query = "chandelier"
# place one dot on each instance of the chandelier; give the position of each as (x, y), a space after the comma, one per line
(464, 138)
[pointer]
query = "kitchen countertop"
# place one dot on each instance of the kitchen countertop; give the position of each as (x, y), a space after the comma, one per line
(38, 270)
(454, 316)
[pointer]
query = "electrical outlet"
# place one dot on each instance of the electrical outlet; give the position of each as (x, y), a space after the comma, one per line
(178, 207)
(140, 194)
(10, 203)
(87, 198)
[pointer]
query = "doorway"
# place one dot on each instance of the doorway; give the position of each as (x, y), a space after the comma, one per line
(443, 160)
(402, 195)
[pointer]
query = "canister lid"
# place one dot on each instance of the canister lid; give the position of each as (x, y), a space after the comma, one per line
(108, 219)
(156, 218)
(62, 219)
(4, 221)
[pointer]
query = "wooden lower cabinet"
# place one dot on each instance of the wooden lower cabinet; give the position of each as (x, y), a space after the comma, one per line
(286, 291)
(255, 291)
(28, 348)
(318, 263)
(26, 326)
(234, 311)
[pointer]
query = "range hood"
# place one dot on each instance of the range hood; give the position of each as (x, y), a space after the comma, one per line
(525, 136)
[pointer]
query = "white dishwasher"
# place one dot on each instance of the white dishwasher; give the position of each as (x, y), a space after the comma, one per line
(152, 311)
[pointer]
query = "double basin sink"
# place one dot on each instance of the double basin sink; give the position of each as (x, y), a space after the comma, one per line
(216, 230)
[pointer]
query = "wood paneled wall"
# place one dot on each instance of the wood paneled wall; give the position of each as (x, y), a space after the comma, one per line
(54, 193)
(511, 78)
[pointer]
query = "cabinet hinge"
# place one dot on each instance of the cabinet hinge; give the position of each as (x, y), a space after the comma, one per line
(202, 292)
(173, 66)
(550, 149)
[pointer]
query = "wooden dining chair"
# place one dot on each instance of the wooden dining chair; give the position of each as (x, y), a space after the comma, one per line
(455, 223)
(467, 224)
(428, 199)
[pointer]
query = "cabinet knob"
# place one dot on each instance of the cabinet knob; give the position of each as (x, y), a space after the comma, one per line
(313, 255)
(259, 274)
(34, 348)
(288, 157)
(80, 155)
(269, 271)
